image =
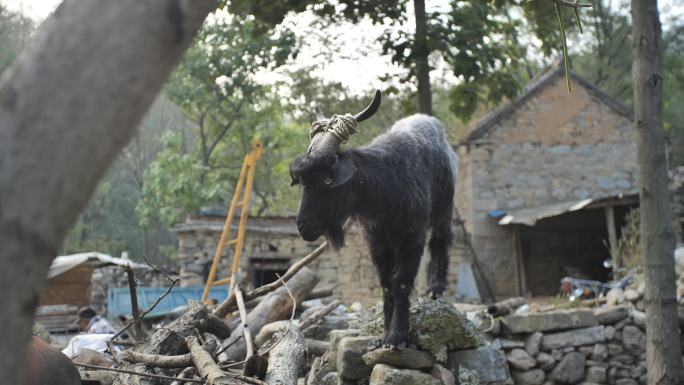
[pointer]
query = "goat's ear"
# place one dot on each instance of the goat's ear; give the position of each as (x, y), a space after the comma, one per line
(344, 170)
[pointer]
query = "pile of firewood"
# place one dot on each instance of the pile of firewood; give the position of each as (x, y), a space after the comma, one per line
(229, 344)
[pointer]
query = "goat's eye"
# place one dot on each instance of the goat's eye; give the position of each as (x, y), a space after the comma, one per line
(328, 181)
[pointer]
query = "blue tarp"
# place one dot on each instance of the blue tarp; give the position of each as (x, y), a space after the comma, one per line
(119, 299)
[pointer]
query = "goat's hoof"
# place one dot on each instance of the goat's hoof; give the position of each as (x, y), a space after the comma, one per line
(400, 346)
(435, 290)
(395, 342)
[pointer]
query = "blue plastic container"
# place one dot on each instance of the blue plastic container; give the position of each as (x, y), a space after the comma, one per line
(119, 299)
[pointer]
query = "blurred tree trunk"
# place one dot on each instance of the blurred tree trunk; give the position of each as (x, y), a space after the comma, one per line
(421, 53)
(664, 358)
(68, 105)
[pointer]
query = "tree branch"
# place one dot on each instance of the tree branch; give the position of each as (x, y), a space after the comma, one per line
(572, 4)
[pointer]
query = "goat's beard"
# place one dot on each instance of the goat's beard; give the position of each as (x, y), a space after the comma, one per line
(335, 236)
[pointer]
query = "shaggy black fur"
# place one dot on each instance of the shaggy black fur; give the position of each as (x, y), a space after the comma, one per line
(399, 186)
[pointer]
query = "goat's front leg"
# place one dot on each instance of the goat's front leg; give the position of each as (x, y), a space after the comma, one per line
(384, 261)
(407, 266)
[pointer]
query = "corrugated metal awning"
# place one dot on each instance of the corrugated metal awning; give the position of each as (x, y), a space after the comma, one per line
(530, 216)
(64, 263)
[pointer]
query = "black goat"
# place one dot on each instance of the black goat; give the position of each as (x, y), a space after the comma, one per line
(398, 187)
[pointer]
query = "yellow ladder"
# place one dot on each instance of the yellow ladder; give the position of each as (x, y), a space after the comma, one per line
(244, 187)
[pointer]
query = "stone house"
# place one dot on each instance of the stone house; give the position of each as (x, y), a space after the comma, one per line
(545, 183)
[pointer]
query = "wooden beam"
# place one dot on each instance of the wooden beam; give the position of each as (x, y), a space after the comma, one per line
(520, 276)
(612, 239)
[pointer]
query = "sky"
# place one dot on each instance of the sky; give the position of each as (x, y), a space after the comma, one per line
(355, 60)
(354, 69)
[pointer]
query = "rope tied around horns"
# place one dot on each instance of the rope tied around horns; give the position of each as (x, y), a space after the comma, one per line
(342, 126)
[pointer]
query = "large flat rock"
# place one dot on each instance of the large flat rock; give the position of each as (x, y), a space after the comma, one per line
(542, 322)
(611, 314)
(489, 364)
(577, 337)
(384, 374)
(350, 351)
(405, 358)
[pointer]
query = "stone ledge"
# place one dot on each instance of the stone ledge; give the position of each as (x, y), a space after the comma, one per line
(541, 322)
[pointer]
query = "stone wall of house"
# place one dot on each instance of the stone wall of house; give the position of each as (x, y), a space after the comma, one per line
(274, 241)
(555, 147)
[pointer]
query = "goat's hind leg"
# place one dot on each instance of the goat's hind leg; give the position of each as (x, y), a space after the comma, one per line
(440, 241)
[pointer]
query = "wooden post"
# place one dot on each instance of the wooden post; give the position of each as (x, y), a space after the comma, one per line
(520, 275)
(135, 310)
(612, 239)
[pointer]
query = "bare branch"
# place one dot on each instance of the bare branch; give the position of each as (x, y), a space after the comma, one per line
(294, 309)
(318, 315)
(243, 318)
(149, 375)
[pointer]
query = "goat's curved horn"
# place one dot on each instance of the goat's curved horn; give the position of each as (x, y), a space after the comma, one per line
(319, 114)
(370, 110)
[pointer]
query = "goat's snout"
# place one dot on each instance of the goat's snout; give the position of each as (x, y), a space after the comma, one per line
(308, 230)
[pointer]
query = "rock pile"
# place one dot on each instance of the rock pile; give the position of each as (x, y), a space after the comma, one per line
(679, 268)
(445, 349)
(602, 346)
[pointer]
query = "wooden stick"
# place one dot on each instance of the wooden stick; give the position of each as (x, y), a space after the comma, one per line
(205, 364)
(294, 309)
(132, 285)
(287, 358)
(317, 316)
(158, 360)
(150, 375)
(243, 318)
(161, 361)
(183, 375)
(236, 376)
